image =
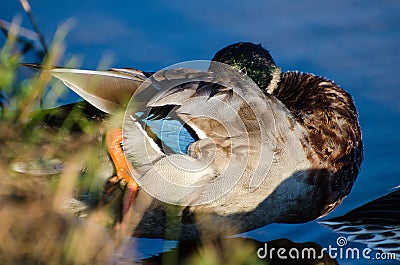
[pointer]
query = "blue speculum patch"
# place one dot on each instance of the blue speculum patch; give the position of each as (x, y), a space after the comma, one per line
(172, 134)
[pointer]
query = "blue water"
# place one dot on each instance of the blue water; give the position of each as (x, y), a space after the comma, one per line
(355, 43)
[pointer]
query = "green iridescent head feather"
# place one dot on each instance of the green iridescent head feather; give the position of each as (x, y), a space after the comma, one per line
(250, 58)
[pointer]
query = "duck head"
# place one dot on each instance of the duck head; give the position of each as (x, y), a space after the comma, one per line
(253, 60)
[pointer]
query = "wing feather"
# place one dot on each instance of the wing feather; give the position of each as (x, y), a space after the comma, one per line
(106, 90)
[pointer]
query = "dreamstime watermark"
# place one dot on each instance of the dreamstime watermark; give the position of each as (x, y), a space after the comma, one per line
(339, 251)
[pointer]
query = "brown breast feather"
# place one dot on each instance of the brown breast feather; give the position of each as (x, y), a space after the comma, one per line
(333, 144)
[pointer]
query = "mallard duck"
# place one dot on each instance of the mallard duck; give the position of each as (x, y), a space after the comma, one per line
(290, 141)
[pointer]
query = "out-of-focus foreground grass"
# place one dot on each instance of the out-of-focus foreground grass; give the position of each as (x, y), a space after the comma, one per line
(35, 225)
